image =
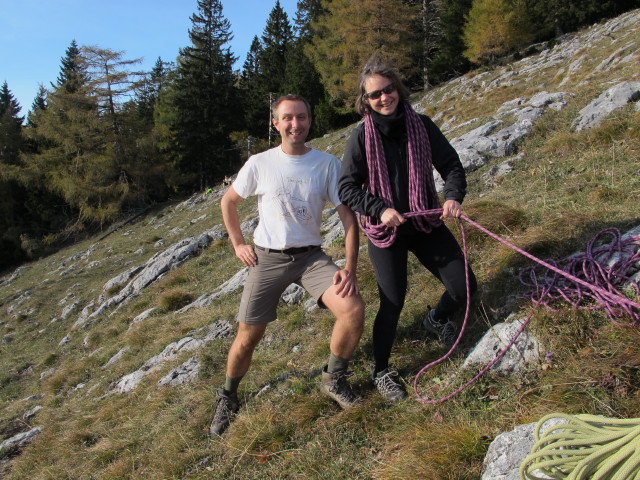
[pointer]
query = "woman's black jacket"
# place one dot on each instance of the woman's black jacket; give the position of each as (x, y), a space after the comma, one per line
(355, 173)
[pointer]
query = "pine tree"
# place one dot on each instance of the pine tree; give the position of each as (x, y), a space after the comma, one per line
(255, 96)
(76, 159)
(110, 80)
(147, 168)
(73, 74)
(148, 91)
(308, 11)
(11, 143)
(39, 104)
(276, 40)
(551, 18)
(301, 76)
(10, 127)
(448, 60)
(350, 32)
(203, 101)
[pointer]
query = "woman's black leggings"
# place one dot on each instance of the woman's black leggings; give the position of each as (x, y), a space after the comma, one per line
(440, 253)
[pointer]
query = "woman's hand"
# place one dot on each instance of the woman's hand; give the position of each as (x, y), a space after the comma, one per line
(451, 208)
(391, 218)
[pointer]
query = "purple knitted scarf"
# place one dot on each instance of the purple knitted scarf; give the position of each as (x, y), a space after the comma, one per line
(421, 184)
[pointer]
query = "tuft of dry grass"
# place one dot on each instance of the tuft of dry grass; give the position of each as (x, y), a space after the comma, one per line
(174, 299)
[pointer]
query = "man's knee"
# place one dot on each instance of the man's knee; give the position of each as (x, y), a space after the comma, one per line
(248, 337)
(352, 310)
(358, 309)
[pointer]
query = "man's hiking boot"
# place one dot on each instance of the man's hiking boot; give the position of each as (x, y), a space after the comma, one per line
(336, 386)
(388, 386)
(226, 409)
(445, 330)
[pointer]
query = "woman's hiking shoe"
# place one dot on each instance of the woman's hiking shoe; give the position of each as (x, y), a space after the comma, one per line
(227, 406)
(446, 331)
(336, 386)
(388, 386)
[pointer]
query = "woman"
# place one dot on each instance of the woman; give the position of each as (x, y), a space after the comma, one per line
(386, 172)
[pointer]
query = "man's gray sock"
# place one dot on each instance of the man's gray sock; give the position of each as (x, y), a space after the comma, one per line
(337, 364)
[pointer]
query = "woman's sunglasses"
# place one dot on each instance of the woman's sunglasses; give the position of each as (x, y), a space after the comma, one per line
(376, 94)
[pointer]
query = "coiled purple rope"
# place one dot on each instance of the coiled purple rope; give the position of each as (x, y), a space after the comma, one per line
(421, 183)
(577, 282)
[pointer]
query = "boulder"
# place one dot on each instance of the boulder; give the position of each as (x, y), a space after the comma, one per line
(525, 351)
(226, 288)
(610, 100)
(509, 449)
(20, 440)
(199, 338)
(117, 356)
(159, 264)
(293, 294)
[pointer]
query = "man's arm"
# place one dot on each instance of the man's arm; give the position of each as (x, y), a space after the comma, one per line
(346, 279)
(229, 207)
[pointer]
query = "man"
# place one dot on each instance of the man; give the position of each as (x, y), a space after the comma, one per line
(293, 183)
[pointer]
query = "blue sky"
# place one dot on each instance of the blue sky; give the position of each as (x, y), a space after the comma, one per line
(34, 34)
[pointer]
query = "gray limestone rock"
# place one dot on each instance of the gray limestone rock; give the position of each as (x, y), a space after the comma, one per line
(47, 372)
(495, 173)
(249, 226)
(509, 449)
(199, 338)
(30, 414)
(117, 356)
(610, 100)
(293, 294)
(525, 351)
(69, 309)
(185, 373)
(226, 288)
(20, 440)
(333, 228)
(143, 316)
(159, 264)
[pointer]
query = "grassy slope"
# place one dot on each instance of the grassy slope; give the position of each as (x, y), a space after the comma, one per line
(567, 187)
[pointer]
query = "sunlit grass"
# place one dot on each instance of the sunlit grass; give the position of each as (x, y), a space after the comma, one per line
(566, 188)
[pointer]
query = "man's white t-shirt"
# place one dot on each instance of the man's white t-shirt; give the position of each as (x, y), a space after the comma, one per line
(292, 191)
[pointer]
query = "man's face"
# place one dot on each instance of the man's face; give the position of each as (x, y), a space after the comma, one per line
(293, 123)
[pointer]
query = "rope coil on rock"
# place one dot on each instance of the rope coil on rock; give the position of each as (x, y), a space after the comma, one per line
(585, 447)
(607, 298)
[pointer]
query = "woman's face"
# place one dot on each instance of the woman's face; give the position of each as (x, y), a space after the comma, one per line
(383, 88)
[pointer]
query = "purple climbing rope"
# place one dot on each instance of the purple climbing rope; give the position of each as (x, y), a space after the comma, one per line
(422, 188)
(581, 279)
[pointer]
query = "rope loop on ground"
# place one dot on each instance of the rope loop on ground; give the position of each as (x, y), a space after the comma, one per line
(599, 275)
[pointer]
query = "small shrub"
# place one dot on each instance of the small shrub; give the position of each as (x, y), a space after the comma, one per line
(496, 217)
(113, 290)
(564, 142)
(50, 360)
(174, 300)
(173, 279)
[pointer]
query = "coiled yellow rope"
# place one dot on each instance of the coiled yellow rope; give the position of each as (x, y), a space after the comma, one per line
(586, 447)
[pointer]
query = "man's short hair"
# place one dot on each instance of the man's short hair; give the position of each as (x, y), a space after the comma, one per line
(290, 96)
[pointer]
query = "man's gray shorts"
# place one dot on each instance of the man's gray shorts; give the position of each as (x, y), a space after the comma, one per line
(274, 272)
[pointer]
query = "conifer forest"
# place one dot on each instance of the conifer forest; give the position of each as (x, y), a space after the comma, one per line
(105, 140)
